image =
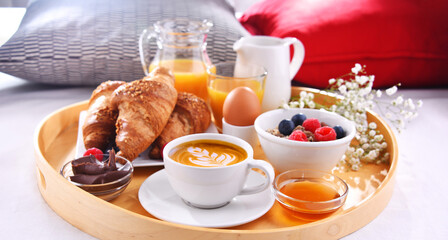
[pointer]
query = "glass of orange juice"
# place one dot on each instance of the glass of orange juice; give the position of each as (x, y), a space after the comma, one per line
(223, 78)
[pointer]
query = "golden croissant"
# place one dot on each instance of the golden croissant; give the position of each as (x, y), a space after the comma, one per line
(144, 107)
(99, 126)
(191, 115)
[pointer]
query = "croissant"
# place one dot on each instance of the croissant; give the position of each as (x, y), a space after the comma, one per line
(99, 126)
(144, 107)
(190, 115)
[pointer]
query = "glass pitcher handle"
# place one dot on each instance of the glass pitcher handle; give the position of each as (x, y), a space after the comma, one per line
(144, 48)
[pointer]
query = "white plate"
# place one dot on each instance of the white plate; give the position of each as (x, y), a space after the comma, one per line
(160, 200)
(142, 160)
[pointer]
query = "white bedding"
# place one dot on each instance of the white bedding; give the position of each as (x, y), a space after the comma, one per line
(416, 211)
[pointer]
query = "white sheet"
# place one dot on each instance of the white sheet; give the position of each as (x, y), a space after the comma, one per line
(417, 209)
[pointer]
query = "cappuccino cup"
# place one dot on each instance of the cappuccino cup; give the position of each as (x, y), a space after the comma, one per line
(208, 170)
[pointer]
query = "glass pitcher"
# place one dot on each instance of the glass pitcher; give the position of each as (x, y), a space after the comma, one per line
(181, 47)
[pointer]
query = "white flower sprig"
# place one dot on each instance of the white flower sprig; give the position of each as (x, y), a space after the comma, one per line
(355, 97)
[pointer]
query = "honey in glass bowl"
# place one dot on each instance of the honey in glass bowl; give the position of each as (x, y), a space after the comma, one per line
(310, 195)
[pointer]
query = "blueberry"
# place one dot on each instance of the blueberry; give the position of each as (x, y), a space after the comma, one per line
(298, 119)
(286, 127)
(340, 133)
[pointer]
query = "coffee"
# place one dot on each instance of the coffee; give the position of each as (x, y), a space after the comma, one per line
(208, 153)
(208, 170)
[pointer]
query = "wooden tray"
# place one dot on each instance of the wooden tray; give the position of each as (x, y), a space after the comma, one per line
(370, 190)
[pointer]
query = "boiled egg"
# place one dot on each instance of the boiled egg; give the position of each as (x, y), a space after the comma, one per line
(241, 107)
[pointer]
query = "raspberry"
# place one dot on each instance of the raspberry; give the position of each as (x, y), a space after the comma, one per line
(325, 134)
(311, 124)
(298, 135)
(95, 152)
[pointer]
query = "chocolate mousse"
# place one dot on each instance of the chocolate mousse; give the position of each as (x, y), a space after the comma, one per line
(88, 170)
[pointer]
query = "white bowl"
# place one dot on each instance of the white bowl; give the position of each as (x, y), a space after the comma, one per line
(286, 154)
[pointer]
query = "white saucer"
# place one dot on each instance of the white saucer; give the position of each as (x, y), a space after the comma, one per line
(159, 199)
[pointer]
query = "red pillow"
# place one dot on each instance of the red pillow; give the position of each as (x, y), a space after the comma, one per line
(400, 41)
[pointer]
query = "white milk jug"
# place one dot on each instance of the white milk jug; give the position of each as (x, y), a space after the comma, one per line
(273, 54)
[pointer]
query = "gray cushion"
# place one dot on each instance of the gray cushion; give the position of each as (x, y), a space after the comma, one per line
(86, 42)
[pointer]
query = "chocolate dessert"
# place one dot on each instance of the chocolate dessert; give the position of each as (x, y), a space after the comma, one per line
(88, 170)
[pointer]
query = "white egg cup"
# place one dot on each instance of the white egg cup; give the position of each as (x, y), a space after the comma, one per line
(246, 133)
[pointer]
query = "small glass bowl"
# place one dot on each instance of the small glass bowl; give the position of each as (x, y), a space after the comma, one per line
(106, 191)
(311, 210)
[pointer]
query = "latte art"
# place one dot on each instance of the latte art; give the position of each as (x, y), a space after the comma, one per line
(208, 153)
(204, 158)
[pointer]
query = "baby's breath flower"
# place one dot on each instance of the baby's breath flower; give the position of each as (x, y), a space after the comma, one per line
(399, 100)
(354, 160)
(378, 138)
(376, 145)
(361, 79)
(303, 94)
(293, 104)
(408, 115)
(359, 128)
(311, 105)
(410, 104)
(350, 150)
(347, 114)
(349, 85)
(419, 103)
(360, 151)
(343, 89)
(391, 91)
(310, 95)
(357, 68)
(379, 93)
(364, 91)
(356, 98)
(372, 155)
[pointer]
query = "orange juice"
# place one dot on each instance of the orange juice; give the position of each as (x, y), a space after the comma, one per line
(190, 75)
(218, 89)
